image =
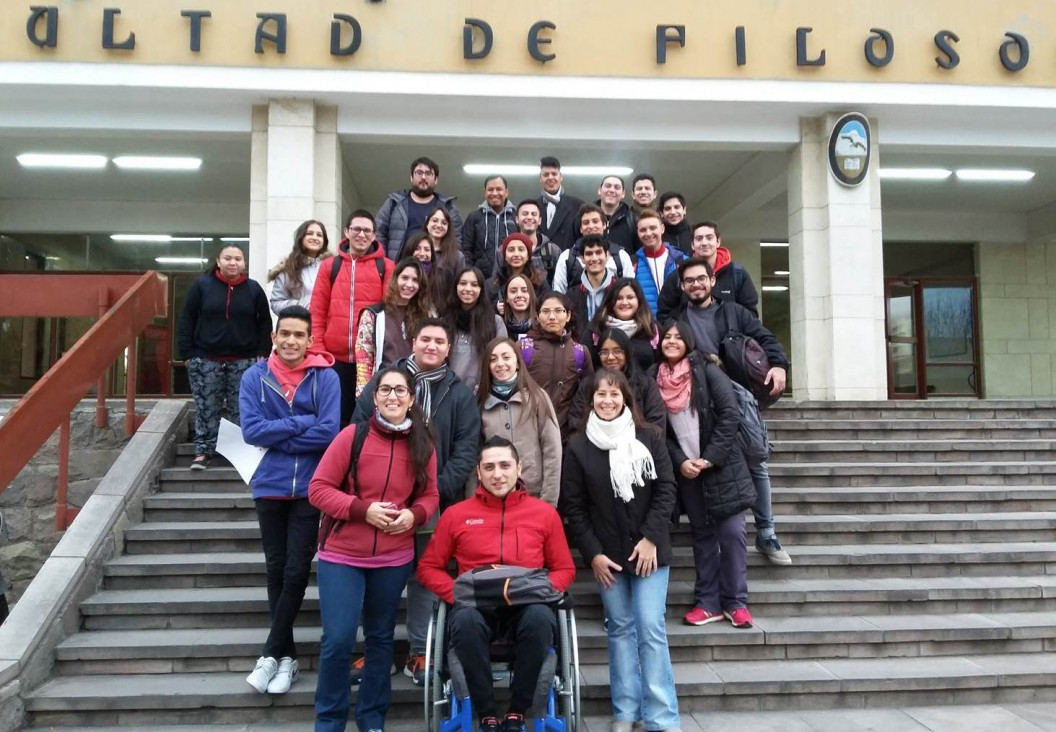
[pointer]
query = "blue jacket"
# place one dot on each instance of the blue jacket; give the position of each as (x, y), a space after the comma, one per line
(296, 434)
(644, 273)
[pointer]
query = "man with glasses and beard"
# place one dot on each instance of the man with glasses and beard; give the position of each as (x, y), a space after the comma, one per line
(405, 212)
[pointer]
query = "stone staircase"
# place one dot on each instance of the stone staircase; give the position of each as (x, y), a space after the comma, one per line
(924, 543)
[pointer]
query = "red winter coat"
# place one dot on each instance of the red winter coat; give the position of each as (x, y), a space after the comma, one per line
(384, 473)
(335, 310)
(519, 530)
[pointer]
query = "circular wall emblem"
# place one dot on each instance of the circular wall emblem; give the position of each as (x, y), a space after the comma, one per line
(849, 144)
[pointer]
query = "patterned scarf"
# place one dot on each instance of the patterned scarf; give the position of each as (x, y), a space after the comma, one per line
(676, 383)
(423, 393)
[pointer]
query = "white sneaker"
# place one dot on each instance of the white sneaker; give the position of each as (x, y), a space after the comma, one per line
(285, 676)
(263, 673)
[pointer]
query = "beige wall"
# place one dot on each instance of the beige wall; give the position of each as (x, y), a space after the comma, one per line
(1018, 312)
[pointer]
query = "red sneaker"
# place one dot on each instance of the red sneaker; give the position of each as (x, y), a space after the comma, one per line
(700, 616)
(739, 617)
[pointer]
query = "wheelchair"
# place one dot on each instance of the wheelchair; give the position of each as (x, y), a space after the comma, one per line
(556, 706)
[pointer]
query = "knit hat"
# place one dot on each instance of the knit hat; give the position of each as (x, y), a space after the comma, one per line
(523, 238)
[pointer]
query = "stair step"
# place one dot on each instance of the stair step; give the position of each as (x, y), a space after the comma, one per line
(906, 451)
(234, 649)
(782, 428)
(699, 685)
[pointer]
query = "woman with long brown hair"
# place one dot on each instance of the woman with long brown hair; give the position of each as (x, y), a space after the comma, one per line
(384, 333)
(294, 276)
(474, 323)
(513, 406)
(624, 307)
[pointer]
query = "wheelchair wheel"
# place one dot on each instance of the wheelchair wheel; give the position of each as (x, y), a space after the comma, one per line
(433, 690)
(568, 647)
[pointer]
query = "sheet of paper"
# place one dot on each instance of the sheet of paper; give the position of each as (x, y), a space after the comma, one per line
(245, 458)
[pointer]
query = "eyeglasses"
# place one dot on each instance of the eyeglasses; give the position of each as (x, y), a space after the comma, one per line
(610, 353)
(360, 231)
(423, 173)
(401, 392)
(548, 312)
(695, 280)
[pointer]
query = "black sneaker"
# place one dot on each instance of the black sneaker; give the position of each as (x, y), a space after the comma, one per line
(490, 724)
(513, 723)
(200, 462)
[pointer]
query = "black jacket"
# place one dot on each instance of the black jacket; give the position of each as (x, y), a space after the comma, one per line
(223, 321)
(732, 284)
(483, 232)
(601, 523)
(645, 390)
(732, 316)
(564, 229)
(455, 420)
(680, 235)
(727, 487)
(621, 229)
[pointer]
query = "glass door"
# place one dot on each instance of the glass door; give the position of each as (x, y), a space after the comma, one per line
(904, 368)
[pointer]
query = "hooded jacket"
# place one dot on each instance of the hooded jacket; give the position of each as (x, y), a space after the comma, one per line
(483, 233)
(391, 222)
(335, 310)
(517, 530)
(384, 473)
(732, 283)
(295, 432)
(455, 420)
(222, 319)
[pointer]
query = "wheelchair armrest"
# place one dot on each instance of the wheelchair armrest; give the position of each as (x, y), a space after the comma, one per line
(566, 602)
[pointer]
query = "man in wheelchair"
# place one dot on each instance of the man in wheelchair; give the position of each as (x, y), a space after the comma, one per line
(501, 524)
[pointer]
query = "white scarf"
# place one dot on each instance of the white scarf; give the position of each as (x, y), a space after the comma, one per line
(630, 462)
(630, 327)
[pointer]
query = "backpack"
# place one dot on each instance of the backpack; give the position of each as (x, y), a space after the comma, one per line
(335, 269)
(572, 261)
(746, 364)
(494, 586)
(328, 523)
(528, 350)
(751, 434)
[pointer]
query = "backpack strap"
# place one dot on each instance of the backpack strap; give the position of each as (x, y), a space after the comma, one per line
(362, 428)
(335, 270)
(380, 264)
(580, 354)
(614, 252)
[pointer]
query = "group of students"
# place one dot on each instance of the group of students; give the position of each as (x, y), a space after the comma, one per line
(420, 411)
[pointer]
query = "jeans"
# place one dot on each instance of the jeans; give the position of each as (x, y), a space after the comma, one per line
(761, 509)
(214, 385)
(640, 674)
(531, 627)
(288, 532)
(345, 593)
(420, 602)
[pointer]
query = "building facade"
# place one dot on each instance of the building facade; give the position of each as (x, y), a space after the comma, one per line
(934, 276)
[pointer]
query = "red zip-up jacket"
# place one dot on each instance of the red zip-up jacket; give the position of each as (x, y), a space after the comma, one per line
(385, 473)
(518, 530)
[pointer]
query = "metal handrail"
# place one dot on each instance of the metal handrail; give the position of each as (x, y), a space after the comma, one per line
(49, 402)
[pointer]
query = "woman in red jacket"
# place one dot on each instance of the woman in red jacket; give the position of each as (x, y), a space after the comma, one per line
(371, 506)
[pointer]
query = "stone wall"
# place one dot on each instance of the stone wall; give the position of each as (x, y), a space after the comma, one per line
(1017, 304)
(28, 505)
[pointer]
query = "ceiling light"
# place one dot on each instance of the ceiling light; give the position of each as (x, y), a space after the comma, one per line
(234, 238)
(773, 244)
(180, 260)
(775, 288)
(50, 160)
(781, 273)
(143, 162)
(914, 173)
(142, 238)
(526, 170)
(995, 176)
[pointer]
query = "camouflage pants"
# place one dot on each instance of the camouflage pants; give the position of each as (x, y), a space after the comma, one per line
(214, 384)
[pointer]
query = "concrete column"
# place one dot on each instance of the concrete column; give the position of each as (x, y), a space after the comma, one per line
(296, 174)
(836, 285)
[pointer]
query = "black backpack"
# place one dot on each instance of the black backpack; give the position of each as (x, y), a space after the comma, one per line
(746, 363)
(572, 275)
(329, 523)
